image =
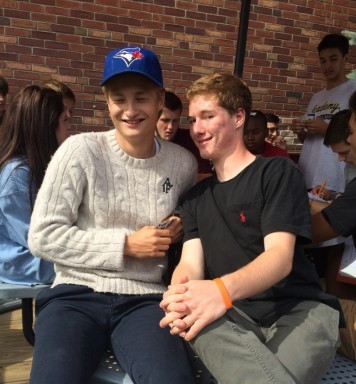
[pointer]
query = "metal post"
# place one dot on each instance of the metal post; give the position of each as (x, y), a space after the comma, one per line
(242, 37)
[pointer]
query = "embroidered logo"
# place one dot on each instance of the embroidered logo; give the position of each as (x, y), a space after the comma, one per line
(242, 217)
(167, 185)
(129, 55)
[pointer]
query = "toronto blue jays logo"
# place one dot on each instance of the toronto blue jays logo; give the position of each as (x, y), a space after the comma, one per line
(129, 55)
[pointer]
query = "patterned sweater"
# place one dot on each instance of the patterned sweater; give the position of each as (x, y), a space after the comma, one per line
(92, 197)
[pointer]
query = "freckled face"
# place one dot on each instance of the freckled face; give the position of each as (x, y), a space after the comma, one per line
(212, 128)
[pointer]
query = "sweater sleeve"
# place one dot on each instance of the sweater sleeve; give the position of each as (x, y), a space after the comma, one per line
(54, 232)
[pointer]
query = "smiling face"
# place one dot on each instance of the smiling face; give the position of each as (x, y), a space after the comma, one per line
(134, 103)
(212, 127)
(168, 124)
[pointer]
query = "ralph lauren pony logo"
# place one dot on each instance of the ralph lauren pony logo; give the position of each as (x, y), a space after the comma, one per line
(242, 217)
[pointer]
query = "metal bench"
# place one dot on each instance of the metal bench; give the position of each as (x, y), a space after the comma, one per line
(109, 370)
(342, 371)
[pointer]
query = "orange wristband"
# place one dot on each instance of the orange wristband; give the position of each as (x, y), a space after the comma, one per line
(224, 292)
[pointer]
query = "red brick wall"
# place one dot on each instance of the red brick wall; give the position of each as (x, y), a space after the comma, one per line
(68, 40)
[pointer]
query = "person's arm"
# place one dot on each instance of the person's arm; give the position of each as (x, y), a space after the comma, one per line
(321, 229)
(55, 232)
(336, 218)
(189, 310)
(191, 264)
(270, 267)
(15, 213)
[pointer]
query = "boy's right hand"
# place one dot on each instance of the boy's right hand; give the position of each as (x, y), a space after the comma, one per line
(148, 242)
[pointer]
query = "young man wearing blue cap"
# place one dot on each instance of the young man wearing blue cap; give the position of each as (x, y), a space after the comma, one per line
(95, 218)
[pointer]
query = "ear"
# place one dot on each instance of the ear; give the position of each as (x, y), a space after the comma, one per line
(161, 95)
(240, 118)
(346, 58)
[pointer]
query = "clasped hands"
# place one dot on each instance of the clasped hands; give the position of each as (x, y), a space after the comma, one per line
(190, 306)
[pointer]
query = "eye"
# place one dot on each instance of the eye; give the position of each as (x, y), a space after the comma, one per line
(191, 121)
(141, 99)
(118, 101)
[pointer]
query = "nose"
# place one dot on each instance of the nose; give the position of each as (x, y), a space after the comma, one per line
(130, 109)
(196, 128)
(170, 125)
(249, 136)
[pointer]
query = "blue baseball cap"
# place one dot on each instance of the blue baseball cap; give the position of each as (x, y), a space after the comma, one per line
(133, 60)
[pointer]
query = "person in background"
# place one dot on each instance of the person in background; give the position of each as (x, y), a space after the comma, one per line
(169, 120)
(255, 134)
(328, 263)
(338, 218)
(4, 90)
(96, 218)
(168, 129)
(244, 295)
(336, 138)
(35, 124)
(67, 94)
(318, 162)
(273, 133)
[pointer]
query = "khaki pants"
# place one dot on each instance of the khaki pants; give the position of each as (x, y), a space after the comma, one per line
(298, 348)
(348, 334)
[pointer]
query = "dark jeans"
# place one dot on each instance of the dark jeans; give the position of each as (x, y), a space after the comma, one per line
(75, 325)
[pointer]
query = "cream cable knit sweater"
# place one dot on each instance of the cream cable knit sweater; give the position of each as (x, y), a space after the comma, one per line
(92, 196)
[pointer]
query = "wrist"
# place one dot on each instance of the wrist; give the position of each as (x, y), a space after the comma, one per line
(224, 292)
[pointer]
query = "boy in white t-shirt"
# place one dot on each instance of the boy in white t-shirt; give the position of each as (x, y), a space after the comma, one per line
(317, 162)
